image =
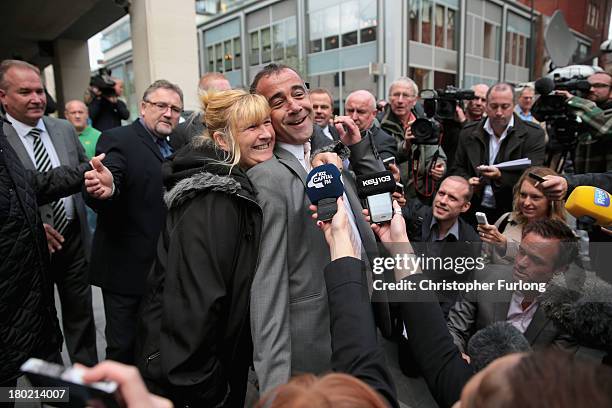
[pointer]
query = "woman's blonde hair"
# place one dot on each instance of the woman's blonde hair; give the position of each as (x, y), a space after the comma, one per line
(556, 209)
(332, 390)
(229, 112)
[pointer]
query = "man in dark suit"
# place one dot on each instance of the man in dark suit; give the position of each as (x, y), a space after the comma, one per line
(289, 311)
(129, 224)
(323, 108)
(42, 143)
(547, 248)
(497, 138)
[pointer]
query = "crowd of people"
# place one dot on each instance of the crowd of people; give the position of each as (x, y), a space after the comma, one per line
(212, 260)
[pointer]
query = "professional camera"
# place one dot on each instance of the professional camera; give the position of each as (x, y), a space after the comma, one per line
(103, 82)
(561, 122)
(439, 105)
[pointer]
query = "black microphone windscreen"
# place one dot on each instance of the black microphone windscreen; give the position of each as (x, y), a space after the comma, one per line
(375, 183)
(544, 86)
(324, 182)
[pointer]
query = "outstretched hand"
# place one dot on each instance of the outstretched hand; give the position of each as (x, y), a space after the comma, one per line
(99, 180)
(337, 232)
(391, 232)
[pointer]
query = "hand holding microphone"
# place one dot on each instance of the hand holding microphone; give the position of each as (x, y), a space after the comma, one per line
(323, 187)
(592, 203)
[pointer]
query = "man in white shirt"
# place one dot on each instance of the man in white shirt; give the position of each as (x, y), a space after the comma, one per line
(323, 108)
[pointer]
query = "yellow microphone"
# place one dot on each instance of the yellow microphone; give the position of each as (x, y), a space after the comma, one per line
(591, 202)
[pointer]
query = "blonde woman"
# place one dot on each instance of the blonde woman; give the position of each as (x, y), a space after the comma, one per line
(529, 204)
(194, 334)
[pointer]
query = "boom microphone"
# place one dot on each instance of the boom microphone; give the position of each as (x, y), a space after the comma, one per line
(591, 202)
(323, 187)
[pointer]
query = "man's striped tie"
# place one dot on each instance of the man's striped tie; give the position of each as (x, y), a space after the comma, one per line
(43, 163)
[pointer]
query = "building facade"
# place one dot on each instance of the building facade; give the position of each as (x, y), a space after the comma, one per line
(344, 45)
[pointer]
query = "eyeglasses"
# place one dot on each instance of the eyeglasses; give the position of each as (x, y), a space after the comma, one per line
(163, 107)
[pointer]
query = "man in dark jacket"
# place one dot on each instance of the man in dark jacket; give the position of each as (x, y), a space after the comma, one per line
(361, 107)
(500, 137)
(28, 321)
(128, 226)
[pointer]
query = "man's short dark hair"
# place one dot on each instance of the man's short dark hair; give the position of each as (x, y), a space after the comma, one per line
(556, 229)
(494, 341)
(162, 84)
(501, 87)
(270, 69)
(8, 64)
(325, 92)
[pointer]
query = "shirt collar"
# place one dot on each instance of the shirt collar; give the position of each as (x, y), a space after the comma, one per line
(22, 129)
(295, 150)
(454, 230)
(489, 129)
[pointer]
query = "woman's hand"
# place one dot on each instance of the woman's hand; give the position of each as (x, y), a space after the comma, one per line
(393, 232)
(490, 234)
(337, 232)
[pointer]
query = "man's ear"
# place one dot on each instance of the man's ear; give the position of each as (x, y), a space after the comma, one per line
(466, 206)
(219, 140)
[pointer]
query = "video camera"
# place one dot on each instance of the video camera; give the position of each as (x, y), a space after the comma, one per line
(103, 82)
(439, 105)
(561, 122)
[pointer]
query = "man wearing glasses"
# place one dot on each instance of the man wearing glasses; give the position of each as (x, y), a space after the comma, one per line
(593, 153)
(130, 222)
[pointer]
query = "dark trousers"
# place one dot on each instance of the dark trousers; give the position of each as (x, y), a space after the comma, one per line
(121, 319)
(70, 273)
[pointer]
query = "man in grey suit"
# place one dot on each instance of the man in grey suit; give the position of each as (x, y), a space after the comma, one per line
(42, 143)
(547, 248)
(289, 311)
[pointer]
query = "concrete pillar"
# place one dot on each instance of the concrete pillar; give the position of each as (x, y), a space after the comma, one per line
(165, 46)
(71, 71)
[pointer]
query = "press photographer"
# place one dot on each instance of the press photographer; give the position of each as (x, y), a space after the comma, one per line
(443, 108)
(106, 110)
(578, 113)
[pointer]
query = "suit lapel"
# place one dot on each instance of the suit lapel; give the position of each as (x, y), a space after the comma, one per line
(147, 139)
(58, 141)
(474, 155)
(538, 323)
(291, 162)
(17, 145)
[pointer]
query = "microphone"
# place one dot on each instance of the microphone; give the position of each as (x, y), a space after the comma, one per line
(376, 188)
(544, 86)
(592, 202)
(323, 187)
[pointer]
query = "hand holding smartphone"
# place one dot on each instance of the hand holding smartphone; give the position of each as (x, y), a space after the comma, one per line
(481, 218)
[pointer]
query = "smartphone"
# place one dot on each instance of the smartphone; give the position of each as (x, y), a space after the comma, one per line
(399, 188)
(380, 207)
(44, 374)
(536, 177)
(388, 161)
(481, 218)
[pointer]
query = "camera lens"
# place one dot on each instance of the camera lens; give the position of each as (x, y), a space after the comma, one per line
(422, 128)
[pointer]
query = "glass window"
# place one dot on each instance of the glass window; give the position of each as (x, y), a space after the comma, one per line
(219, 57)
(420, 77)
(237, 54)
(316, 31)
(210, 55)
(368, 34)
(316, 45)
(278, 35)
(451, 29)
(254, 54)
(266, 46)
(332, 27)
(414, 20)
(442, 79)
(489, 44)
(368, 13)
(426, 11)
(349, 39)
(439, 27)
(291, 38)
(349, 23)
(228, 55)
